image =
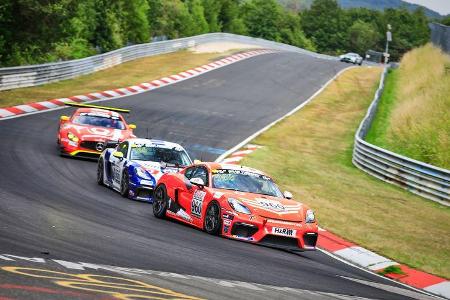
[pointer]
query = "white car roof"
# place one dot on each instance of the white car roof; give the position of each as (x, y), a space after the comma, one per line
(155, 143)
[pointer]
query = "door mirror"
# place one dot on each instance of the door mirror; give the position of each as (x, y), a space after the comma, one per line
(132, 126)
(118, 155)
(288, 195)
(64, 118)
(198, 182)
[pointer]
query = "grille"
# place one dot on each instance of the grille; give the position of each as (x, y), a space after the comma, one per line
(243, 230)
(91, 145)
(144, 193)
(310, 239)
(279, 241)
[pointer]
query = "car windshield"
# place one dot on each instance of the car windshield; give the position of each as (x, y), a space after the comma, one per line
(244, 181)
(100, 121)
(157, 154)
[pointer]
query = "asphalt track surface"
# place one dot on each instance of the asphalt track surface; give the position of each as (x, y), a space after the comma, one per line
(52, 206)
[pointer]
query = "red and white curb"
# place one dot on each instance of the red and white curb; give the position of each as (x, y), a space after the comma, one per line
(361, 257)
(24, 109)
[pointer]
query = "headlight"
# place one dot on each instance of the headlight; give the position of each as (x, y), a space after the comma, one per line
(72, 137)
(310, 217)
(238, 206)
(141, 173)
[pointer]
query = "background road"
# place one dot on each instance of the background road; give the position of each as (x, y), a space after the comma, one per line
(53, 205)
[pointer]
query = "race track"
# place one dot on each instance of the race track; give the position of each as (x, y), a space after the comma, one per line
(52, 206)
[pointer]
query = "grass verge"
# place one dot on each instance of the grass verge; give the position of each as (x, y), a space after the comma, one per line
(310, 154)
(380, 124)
(414, 112)
(126, 74)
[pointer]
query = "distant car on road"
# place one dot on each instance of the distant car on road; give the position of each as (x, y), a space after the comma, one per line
(236, 202)
(353, 58)
(134, 167)
(91, 129)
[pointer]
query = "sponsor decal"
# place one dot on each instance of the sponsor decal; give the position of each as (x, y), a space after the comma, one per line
(197, 203)
(228, 216)
(243, 238)
(271, 221)
(146, 182)
(99, 131)
(227, 222)
(74, 144)
(284, 231)
(270, 204)
(217, 195)
(226, 228)
(181, 213)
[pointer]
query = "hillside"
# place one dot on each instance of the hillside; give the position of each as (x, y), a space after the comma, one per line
(372, 4)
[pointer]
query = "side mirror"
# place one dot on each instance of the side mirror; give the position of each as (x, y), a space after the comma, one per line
(118, 154)
(198, 182)
(64, 118)
(132, 126)
(288, 195)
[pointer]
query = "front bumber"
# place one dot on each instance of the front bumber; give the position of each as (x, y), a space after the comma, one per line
(141, 189)
(292, 236)
(74, 150)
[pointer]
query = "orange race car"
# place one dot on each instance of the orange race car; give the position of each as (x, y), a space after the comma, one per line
(236, 202)
(91, 129)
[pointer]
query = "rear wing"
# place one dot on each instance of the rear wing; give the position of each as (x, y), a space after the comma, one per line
(116, 109)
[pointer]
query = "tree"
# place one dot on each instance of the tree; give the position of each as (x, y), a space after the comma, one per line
(263, 19)
(291, 32)
(230, 19)
(362, 36)
(136, 24)
(324, 24)
(212, 9)
(198, 15)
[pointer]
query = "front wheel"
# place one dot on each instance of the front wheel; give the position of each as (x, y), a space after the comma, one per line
(124, 184)
(212, 220)
(160, 202)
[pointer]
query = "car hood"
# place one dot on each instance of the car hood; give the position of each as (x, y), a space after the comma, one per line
(270, 207)
(155, 169)
(97, 133)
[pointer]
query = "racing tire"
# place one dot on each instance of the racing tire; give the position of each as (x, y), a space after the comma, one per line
(212, 222)
(100, 172)
(125, 184)
(160, 202)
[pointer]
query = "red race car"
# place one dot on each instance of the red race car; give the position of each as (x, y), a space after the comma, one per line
(236, 202)
(90, 129)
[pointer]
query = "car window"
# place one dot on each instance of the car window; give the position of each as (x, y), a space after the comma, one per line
(189, 172)
(202, 173)
(123, 147)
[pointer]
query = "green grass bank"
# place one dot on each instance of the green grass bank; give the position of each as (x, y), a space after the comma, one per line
(413, 117)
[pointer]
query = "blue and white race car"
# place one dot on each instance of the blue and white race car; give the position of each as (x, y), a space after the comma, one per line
(135, 165)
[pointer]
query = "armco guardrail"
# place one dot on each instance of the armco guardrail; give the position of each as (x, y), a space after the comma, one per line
(420, 178)
(33, 75)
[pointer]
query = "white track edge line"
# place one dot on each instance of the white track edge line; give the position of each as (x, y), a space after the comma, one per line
(378, 275)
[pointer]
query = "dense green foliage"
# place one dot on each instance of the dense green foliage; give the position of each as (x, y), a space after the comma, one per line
(334, 30)
(36, 31)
